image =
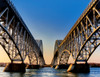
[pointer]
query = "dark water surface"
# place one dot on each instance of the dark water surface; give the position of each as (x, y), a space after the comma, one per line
(49, 72)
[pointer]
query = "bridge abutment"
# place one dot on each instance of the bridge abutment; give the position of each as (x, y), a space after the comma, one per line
(14, 67)
(79, 68)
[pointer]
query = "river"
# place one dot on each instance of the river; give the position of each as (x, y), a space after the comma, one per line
(50, 72)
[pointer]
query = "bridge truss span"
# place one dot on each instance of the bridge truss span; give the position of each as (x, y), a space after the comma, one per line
(84, 37)
(15, 37)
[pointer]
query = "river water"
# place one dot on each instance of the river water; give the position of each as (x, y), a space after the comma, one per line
(49, 72)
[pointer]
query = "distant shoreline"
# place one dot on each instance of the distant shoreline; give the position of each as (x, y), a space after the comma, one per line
(91, 64)
(94, 64)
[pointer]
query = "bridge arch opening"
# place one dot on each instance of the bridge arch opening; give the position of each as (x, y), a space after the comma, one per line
(4, 58)
(95, 56)
(64, 57)
(70, 60)
(26, 61)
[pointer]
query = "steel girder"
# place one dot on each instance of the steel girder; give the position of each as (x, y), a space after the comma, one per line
(84, 37)
(15, 37)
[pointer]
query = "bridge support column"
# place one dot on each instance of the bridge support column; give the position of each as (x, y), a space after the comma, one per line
(54, 66)
(62, 66)
(14, 67)
(32, 66)
(79, 68)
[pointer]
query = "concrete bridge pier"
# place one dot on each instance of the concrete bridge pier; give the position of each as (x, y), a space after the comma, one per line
(79, 68)
(32, 66)
(54, 66)
(15, 67)
(62, 66)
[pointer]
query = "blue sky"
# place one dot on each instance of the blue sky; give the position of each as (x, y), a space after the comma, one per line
(50, 20)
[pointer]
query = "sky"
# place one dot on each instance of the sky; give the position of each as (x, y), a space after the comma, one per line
(50, 20)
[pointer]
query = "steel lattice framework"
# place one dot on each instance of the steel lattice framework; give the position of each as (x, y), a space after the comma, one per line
(83, 38)
(15, 37)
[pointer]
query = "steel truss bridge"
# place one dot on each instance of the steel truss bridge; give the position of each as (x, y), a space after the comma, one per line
(15, 37)
(83, 39)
